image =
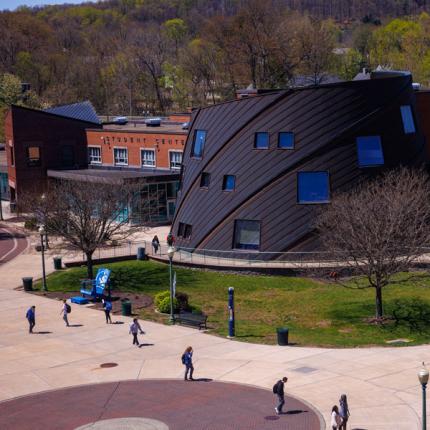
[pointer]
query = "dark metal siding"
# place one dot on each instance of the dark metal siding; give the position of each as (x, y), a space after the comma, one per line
(325, 120)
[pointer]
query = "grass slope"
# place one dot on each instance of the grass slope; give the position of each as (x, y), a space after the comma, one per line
(317, 313)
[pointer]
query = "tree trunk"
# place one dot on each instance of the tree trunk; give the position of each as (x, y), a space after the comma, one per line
(379, 310)
(89, 265)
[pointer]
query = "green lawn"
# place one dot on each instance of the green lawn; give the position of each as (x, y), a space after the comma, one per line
(317, 313)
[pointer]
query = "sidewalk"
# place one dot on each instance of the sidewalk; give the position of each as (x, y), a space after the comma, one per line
(381, 383)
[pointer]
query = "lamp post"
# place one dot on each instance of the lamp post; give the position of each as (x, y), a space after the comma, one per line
(171, 253)
(42, 232)
(423, 376)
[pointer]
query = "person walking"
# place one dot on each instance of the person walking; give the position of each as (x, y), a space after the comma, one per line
(343, 411)
(31, 317)
(134, 329)
(278, 389)
(66, 309)
(336, 420)
(187, 360)
(107, 306)
(155, 244)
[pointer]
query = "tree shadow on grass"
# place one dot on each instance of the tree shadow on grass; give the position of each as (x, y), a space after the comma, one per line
(412, 313)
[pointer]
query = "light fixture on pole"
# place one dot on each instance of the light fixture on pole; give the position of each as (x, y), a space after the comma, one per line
(423, 376)
(42, 232)
(171, 253)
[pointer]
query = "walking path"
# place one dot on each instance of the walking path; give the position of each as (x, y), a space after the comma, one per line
(381, 383)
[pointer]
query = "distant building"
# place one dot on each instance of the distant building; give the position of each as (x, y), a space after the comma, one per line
(258, 169)
(69, 142)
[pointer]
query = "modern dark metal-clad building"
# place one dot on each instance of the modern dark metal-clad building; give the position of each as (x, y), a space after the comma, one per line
(256, 170)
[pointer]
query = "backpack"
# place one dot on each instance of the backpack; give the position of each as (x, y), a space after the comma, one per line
(275, 388)
(183, 358)
(68, 308)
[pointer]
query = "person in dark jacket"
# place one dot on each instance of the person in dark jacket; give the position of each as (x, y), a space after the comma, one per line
(188, 362)
(107, 305)
(31, 317)
(280, 393)
(155, 244)
(343, 411)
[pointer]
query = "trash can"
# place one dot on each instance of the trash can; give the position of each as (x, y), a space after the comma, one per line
(27, 283)
(57, 263)
(141, 253)
(282, 336)
(126, 308)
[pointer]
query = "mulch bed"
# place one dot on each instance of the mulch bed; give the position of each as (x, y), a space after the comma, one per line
(139, 301)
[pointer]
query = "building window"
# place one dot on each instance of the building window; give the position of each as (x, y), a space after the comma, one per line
(408, 119)
(33, 156)
(187, 231)
(198, 143)
(120, 156)
(229, 183)
(175, 159)
(184, 230)
(261, 140)
(369, 150)
(286, 140)
(148, 157)
(246, 234)
(12, 157)
(313, 187)
(94, 155)
(205, 179)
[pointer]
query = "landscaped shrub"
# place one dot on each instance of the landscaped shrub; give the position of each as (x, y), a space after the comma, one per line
(164, 306)
(31, 224)
(182, 299)
(160, 297)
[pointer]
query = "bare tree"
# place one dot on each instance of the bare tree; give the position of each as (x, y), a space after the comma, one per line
(380, 228)
(86, 215)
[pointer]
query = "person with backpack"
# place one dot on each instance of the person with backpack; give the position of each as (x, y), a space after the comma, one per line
(66, 309)
(187, 361)
(31, 318)
(278, 389)
(343, 411)
(134, 329)
(107, 306)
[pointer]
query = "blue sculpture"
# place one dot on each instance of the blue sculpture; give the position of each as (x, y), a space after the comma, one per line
(98, 285)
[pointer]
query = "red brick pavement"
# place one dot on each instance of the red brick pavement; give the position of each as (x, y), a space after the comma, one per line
(181, 405)
(12, 243)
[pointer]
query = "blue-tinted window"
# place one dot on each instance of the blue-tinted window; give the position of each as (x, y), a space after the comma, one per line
(313, 187)
(286, 140)
(408, 119)
(261, 140)
(228, 182)
(198, 143)
(246, 234)
(369, 150)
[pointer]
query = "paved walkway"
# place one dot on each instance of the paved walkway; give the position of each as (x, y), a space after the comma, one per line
(381, 383)
(176, 404)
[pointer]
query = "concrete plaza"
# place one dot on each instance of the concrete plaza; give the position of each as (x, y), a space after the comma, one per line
(381, 383)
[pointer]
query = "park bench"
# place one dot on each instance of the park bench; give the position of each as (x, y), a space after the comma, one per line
(189, 318)
(95, 288)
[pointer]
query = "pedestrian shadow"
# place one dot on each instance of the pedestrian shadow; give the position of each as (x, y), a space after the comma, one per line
(295, 411)
(118, 322)
(203, 380)
(42, 332)
(145, 344)
(76, 325)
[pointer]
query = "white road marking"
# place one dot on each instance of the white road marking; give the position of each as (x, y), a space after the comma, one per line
(15, 244)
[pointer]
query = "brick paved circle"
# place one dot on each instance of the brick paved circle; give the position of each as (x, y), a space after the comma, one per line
(125, 424)
(180, 405)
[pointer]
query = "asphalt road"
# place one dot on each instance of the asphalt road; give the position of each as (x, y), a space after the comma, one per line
(12, 243)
